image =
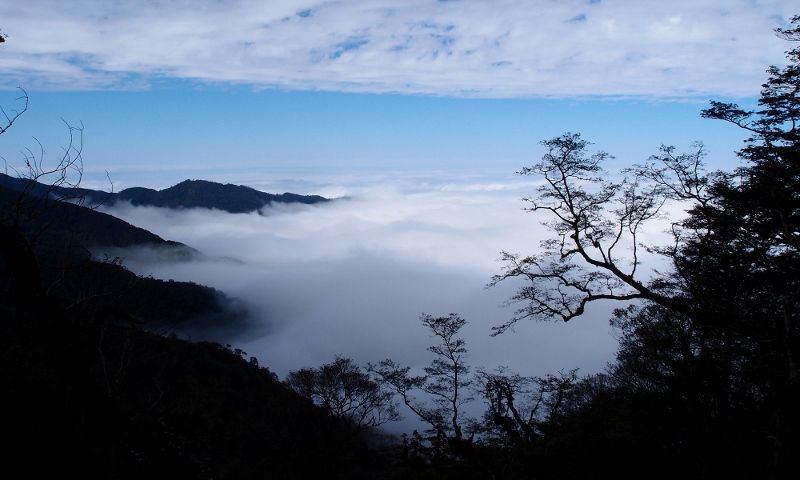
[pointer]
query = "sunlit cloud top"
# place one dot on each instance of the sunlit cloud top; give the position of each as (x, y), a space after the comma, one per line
(483, 48)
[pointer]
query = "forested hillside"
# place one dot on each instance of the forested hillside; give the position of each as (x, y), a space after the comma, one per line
(90, 390)
(61, 235)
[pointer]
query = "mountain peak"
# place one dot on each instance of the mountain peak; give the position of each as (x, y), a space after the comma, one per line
(186, 194)
(206, 194)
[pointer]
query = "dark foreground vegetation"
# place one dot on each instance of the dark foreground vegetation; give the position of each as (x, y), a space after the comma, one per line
(61, 235)
(91, 390)
(705, 384)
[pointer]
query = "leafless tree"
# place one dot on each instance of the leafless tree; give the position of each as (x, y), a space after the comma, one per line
(12, 115)
(50, 183)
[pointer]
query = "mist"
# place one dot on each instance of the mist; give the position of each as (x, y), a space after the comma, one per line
(351, 277)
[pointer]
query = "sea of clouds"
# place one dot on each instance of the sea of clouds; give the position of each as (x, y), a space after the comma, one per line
(351, 277)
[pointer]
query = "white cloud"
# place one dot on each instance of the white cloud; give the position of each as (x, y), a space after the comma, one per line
(502, 48)
(351, 277)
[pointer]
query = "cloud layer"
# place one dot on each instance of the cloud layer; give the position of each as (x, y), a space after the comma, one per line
(353, 276)
(502, 48)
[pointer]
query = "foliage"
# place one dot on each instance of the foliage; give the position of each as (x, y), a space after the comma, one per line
(522, 409)
(708, 352)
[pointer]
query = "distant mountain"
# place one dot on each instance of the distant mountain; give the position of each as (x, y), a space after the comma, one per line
(187, 194)
(205, 194)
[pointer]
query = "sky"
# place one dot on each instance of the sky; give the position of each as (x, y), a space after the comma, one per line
(419, 111)
(179, 89)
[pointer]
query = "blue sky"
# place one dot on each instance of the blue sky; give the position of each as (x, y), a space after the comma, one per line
(186, 128)
(380, 85)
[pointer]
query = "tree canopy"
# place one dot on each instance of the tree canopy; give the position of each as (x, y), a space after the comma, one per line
(715, 335)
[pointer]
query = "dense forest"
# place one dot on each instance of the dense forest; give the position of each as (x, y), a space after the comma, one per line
(705, 383)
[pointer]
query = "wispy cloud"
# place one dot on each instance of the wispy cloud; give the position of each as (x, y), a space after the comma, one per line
(501, 48)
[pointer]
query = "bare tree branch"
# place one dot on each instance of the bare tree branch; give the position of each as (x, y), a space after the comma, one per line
(591, 218)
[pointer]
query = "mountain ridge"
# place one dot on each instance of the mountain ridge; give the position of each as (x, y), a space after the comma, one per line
(186, 194)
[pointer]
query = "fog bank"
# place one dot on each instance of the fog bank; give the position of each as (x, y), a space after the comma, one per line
(351, 277)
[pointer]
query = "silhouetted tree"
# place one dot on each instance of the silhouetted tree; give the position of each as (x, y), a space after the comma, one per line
(20, 284)
(757, 216)
(714, 337)
(13, 114)
(523, 409)
(445, 384)
(594, 254)
(347, 392)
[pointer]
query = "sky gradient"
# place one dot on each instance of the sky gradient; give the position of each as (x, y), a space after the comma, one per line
(197, 133)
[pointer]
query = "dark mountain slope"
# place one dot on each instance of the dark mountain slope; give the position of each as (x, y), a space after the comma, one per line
(59, 222)
(90, 393)
(100, 398)
(187, 194)
(37, 189)
(61, 234)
